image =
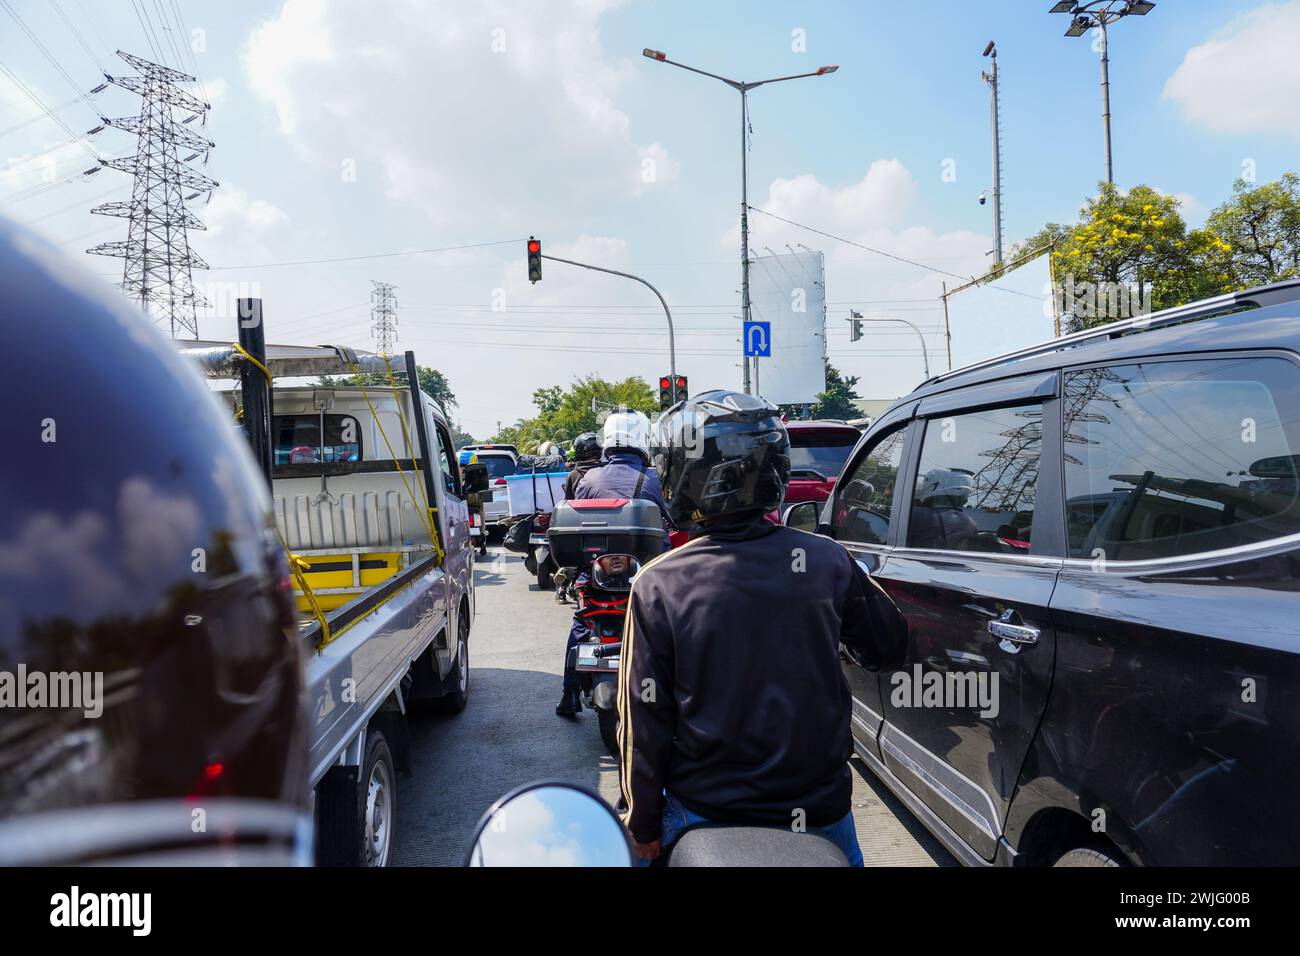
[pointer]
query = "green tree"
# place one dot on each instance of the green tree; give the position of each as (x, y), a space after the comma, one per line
(565, 413)
(432, 382)
(836, 402)
(1131, 252)
(1261, 225)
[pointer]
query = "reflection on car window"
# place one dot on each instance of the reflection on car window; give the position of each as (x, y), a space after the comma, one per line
(864, 500)
(445, 461)
(976, 481)
(298, 439)
(819, 456)
(1171, 458)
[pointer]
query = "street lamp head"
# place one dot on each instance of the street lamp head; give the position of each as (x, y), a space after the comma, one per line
(990, 48)
(654, 54)
(1140, 8)
(1078, 27)
(1064, 6)
(823, 70)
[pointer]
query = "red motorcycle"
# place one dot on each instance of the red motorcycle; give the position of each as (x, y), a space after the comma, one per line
(606, 539)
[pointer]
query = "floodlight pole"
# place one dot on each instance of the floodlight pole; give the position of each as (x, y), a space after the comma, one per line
(1105, 98)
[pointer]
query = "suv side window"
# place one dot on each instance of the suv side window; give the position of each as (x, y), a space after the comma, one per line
(977, 480)
(1164, 459)
(864, 500)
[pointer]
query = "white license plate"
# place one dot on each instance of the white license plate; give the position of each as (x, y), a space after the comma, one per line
(473, 532)
(537, 539)
(587, 661)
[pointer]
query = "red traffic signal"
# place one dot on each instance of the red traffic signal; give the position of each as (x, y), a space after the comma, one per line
(534, 260)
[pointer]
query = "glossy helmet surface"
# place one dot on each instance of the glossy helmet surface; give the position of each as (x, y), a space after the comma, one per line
(143, 587)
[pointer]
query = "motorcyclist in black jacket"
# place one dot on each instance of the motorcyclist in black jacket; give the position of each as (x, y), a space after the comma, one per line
(733, 707)
(586, 456)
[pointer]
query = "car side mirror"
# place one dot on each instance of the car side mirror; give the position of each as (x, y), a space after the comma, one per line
(549, 824)
(475, 477)
(802, 517)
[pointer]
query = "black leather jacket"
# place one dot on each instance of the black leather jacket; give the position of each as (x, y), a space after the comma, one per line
(731, 693)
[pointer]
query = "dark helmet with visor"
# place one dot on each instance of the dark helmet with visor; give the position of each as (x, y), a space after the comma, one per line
(720, 454)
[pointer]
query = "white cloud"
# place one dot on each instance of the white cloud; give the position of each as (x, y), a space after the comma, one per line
(1245, 79)
(232, 209)
(453, 109)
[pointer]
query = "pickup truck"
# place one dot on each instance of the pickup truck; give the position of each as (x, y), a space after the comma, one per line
(370, 502)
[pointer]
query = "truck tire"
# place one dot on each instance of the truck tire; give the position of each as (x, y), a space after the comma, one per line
(456, 687)
(1088, 856)
(608, 720)
(376, 803)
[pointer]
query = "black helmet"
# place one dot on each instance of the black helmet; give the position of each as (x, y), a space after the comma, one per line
(586, 447)
(144, 598)
(721, 453)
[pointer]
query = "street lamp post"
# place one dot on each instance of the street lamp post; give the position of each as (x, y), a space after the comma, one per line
(743, 88)
(672, 341)
(925, 354)
(1098, 15)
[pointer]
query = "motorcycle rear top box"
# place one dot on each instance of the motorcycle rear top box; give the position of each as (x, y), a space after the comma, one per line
(610, 525)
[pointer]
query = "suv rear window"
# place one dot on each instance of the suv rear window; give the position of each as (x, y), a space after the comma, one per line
(298, 440)
(1172, 458)
(821, 451)
(498, 466)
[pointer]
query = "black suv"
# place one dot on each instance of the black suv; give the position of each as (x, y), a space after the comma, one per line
(1096, 543)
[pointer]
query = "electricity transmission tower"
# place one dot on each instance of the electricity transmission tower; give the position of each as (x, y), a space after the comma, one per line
(157, 272)
(383, 316)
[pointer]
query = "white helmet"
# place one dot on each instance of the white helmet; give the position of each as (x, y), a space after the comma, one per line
(626, 430)
(945, 483)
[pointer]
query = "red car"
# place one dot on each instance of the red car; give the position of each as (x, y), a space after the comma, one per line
(818, 451)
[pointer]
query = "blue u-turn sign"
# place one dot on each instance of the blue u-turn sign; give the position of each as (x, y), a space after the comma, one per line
(758, 339)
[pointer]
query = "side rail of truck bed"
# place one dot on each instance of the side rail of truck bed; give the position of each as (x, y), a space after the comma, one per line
(374, 641)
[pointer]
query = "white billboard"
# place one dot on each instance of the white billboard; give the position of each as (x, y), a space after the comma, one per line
(1010, 313)
(789, 292)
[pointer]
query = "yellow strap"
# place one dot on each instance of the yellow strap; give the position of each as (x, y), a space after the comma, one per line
(427, 518)
(249, 356)
(297, 565)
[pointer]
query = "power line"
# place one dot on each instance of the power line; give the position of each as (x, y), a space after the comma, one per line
(31, 95)
(44, 51)
(354, 259)
(77, 33)
(881, 252)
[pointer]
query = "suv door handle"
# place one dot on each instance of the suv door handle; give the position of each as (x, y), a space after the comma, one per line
(1010, 627)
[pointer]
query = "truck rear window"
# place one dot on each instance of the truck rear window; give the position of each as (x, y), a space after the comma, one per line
(298, 439)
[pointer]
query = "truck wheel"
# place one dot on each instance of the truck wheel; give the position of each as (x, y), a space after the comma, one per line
(1088, 856)
(608, 730)
(377, 802)
(456, 688)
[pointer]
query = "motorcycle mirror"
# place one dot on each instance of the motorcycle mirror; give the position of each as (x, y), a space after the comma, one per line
(549, 823)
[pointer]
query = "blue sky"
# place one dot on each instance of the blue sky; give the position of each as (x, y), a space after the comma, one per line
(469, 123)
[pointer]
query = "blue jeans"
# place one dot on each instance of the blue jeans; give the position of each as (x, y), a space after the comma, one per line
(677, 818)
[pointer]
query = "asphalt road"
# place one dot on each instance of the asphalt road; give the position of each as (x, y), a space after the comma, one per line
(509, 735)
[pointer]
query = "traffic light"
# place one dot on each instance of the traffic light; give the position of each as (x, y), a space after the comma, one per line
(855, 326)
(534, 260)
(672, 389)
